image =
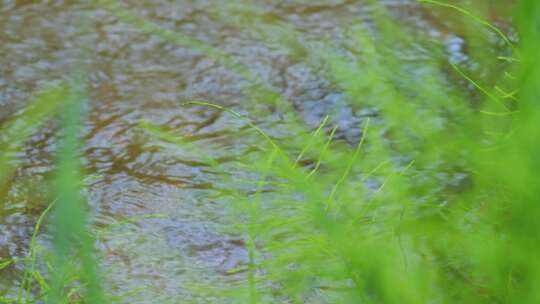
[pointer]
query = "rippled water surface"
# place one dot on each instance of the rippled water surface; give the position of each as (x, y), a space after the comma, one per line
(158, 228)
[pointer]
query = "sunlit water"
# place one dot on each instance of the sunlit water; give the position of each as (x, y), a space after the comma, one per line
(159, 231)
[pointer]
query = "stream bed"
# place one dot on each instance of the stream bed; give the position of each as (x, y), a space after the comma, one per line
(158, 230)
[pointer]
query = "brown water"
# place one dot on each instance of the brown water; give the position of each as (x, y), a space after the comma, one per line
(166, 232)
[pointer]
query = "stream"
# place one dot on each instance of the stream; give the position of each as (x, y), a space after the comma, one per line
(158, 231)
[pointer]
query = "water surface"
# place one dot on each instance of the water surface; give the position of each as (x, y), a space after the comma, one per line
(159, 231)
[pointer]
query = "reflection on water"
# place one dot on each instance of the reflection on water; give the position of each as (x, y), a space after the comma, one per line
(176, 235)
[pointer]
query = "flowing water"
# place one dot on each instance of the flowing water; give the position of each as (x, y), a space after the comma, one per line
(158, 231)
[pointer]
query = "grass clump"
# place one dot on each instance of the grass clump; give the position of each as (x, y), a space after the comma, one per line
(434, 228)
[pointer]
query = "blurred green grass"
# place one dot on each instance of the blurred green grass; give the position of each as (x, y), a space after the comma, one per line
(436, 204)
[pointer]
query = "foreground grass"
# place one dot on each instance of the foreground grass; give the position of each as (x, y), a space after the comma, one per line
(435, 203)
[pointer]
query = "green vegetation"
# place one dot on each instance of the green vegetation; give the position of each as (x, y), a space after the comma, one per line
(434, 203)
